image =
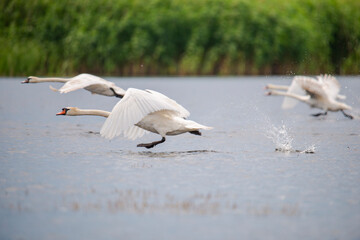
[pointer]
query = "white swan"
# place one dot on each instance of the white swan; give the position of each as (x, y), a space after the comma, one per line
(94, 84)
(321, 93)
(143, 110)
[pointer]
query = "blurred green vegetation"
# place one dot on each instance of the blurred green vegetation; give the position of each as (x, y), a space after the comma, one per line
(179, 37)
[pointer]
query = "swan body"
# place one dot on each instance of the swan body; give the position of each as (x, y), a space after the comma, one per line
(140, 112)
(322, 93)
(165, 122)
(93, 84)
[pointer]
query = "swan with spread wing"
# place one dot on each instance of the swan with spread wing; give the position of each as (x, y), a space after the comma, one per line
(142, 111)
(322, 93)
(94, 84)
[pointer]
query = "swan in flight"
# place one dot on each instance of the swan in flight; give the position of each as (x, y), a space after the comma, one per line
(94, 84)
(322, 93)
(140, 112)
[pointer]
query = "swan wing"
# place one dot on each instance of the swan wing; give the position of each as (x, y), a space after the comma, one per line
(134, 132)
(182, 111)
(295, 88)
(312, 87)
(330, 85)
(134, 106)
(82, 81)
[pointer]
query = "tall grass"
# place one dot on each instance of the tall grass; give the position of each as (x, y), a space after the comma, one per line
(179, 37)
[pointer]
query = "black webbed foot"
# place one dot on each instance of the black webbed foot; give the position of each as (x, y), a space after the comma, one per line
(152, 144)
(147, 145)
(197, 132)
(319, 114)
(347, 115)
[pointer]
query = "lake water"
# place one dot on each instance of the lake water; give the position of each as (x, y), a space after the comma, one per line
(59, 179)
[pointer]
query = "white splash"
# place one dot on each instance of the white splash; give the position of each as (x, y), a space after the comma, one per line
(281, 138)
(280, 135)
(310, 149)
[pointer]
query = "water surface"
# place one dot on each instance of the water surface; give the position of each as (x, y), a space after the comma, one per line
(59, 179)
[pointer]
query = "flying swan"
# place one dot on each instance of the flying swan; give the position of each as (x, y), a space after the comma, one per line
(321, 93)
(94, 84)
(140, 112)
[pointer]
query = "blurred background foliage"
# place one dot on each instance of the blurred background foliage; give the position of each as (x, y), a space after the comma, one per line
(179, 37)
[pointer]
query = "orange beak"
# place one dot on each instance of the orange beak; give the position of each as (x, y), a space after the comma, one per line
(62, 113)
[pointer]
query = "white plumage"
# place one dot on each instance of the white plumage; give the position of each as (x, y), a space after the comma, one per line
(94, 84)
(148, 110)
(139, 112)
(322, 93)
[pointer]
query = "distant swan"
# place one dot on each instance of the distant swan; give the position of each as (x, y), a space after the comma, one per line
(94, 84)
(321, 93)
(139, 111)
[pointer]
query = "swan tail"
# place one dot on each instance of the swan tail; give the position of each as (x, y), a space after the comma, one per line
(196, 126)
(341, 97)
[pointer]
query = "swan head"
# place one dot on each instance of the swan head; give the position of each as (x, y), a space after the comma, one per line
(69, 111)
(30, 79)
(118, 92)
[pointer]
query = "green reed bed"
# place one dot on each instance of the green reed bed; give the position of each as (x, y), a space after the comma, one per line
(179, 37)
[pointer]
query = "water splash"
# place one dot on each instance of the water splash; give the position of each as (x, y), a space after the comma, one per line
(281, 138)
(310, 149)
(279, 135)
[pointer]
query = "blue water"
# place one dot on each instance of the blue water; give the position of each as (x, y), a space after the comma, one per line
(59, 179)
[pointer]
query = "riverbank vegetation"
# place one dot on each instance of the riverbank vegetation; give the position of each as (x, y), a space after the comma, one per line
(179, 37)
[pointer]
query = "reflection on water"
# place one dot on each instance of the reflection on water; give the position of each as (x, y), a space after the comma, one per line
(172, 153)
(145, 201)
(95, 133)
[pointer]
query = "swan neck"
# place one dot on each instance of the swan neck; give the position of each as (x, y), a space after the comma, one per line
(279, 87)
(94, 112)
(38, 80)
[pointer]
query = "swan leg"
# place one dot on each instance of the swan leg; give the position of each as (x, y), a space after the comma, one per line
(197, 132)
(152, 144)
(116, 95)
(319, 114)
(347, 115)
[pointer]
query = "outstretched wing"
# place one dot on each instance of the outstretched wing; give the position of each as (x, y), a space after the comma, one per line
(82, 81)
(295, 88)
(182, 111)
(135, 105)
(134, 132)
(330, 85)
(312, 87)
